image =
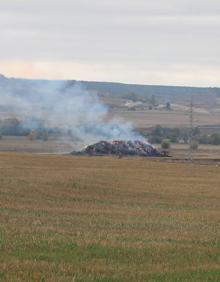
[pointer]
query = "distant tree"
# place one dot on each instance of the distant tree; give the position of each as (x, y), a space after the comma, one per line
(215, 139)
(10, 126)
(156, 135)
(174, 135)
(204, 139)
(33, 135)
(44, 135)
(194, 145)
(165, 144)
(196, 132)
(185, 139)
(153, 101)
(38, 135)
(131, 96)
(168, 106)
(157, 131)
(155, 139)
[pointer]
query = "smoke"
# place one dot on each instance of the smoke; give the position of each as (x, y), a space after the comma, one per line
(69, 108)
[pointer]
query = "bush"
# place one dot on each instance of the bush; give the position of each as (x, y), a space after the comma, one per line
(159, 133)
(155, 139)
(194, 145)
(44, 135)
(38, 135)
(12, 127)
(165, 144)
(215, 139)
(204, 139)
(168, 106)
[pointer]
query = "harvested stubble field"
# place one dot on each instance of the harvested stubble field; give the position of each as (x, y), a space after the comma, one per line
(148, 118)
(65, 218)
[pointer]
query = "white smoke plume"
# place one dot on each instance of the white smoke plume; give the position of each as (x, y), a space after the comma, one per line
(59, 105)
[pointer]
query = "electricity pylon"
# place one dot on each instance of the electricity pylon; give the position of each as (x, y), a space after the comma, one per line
(191, 125)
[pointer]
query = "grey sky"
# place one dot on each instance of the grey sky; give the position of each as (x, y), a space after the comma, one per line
(151, 42)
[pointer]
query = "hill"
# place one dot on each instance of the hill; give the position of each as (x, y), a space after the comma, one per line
(147, 108)
(173, 94)
(163, 93)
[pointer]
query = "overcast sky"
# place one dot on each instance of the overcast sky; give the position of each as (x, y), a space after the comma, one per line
(170, 42)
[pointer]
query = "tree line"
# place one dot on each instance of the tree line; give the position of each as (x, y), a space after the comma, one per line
(181, 135)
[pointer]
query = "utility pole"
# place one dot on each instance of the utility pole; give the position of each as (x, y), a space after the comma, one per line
(191, 125)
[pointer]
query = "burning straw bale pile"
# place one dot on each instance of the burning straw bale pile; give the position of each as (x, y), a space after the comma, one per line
(120, 148)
